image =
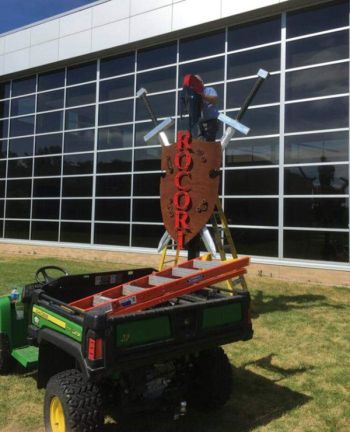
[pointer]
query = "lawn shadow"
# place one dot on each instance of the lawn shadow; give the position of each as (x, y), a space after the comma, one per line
(264, 303)
(255, 402)
(266, 363)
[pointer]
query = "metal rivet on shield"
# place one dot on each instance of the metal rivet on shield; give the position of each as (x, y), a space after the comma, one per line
(170, 207)
(169, 165)
(202, 207)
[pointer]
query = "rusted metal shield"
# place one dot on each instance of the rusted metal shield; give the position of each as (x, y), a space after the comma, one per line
(189, 186)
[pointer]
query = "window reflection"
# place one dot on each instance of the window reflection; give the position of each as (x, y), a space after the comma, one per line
(262, 121)
(46, 209)
(19, 188)
(23, 86)
(116, 112)
(316, 212)
(112, 234)
(147, 159)
(251, 182)
(81, 95)
(324, 179)
(78, 164)
(332, 146)
(49, 122)
(316, 245)
(163, 106)
(47, 166)
(238, 91)
(117, 88)
(18, 209)
(146, 184)
(146, 210)
(48, 187)
(156, 56)
(21, 106)
(117, 161)
(20, 168)
(3, 128)
(81, 73)
(252, 152)
(46, 144)
(255, 33)
(202, 46)
(22, 126)
(112, 210)
(313, 20)
(318, 49)
(73, 232)
(44, 231)
(258, 242)
(317, 115)
(3, 149)
(80, 117)
(115, 137)
(252, 211)
(77, 186)
(81, 210)
(79, 141)
(248, 63)
(2, 169)
(50, 100)
(146, 235)
(17, 229)
(50, 80)
(119, 65)
(159, 80)
(5, 90)
(21, 147)
(113, 185)
(320, 81)
(4, 108)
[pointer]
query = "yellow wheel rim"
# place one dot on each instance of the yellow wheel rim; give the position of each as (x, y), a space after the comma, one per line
(57, 420)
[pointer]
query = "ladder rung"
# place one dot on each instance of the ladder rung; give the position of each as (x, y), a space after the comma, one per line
(131, 289)
(201, 264)
(98, 299)
(158, 280)
(181, 272)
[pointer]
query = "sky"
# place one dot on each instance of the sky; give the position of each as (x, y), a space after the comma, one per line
(18, 13)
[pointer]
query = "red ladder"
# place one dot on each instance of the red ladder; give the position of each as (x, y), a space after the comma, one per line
(148, 291)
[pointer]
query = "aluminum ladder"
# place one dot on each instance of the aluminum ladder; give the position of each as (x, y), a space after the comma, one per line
(159, 287)
(224, 243)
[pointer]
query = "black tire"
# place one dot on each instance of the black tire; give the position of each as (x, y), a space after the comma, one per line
(5, 354)
(211, 380)
(81, 402)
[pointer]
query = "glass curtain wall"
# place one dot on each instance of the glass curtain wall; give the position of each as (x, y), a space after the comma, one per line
(74, 166)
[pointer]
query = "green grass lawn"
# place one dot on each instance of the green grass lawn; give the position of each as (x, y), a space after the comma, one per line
(293, 376)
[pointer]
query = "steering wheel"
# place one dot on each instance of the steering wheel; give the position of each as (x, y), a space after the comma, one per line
(45, 278)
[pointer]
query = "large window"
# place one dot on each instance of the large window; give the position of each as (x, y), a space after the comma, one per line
(74, 166)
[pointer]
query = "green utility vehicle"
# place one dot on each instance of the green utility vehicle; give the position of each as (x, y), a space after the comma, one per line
(88, 358)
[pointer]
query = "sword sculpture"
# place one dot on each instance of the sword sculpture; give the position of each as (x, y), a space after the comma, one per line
(190, 174)
(159, 130)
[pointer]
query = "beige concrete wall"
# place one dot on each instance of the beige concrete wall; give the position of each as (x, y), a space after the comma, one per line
(295, 274)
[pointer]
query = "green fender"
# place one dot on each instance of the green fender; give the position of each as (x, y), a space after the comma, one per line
(5, 315)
